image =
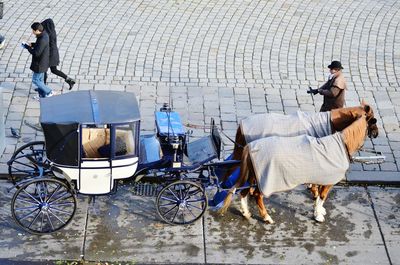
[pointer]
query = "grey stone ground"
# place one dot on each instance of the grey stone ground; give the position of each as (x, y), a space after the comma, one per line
(222, 59)
(362, 227)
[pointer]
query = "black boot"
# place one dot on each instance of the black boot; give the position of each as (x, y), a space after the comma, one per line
(71, 82)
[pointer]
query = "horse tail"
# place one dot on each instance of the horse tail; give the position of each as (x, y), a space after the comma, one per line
(227, 201)
(244, 174)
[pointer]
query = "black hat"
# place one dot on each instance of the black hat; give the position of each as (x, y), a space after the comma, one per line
(335, 65)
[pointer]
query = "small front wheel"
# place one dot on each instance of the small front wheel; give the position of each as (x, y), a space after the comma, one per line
(43, 205)
(181, 202)
(28, 162)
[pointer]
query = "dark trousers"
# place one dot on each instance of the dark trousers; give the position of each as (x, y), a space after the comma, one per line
(55, 71)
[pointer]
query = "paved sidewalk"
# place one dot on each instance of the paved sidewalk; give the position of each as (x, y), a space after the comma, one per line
(362, 227)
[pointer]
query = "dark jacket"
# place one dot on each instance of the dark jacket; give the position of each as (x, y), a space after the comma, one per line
(50, 28)
(334, 93)
(40, 53)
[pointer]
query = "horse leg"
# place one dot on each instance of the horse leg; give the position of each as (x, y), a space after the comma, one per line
(244, 206)
(262, 209)
(314, 191)
(319, 210)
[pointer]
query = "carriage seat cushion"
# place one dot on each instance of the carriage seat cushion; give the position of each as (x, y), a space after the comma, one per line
(120, 148)
(93, 139)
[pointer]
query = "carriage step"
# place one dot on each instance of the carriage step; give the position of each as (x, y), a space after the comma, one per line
(145, 189)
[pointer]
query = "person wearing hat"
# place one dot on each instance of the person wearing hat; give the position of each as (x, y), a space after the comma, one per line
(334, 89)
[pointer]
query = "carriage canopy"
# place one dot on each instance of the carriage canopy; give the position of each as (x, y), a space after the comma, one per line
(62, 115)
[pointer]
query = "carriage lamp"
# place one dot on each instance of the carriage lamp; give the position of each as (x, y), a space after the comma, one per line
(175, 143)
(166, 107)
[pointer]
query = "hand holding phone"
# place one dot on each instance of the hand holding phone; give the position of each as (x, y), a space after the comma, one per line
(24, 45)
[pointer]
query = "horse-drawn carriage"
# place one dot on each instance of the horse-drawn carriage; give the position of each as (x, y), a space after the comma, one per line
(92, 141)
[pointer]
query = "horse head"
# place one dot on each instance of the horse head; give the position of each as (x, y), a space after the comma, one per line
(372, 128)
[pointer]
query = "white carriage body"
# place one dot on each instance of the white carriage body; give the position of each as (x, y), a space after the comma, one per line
(93, 145)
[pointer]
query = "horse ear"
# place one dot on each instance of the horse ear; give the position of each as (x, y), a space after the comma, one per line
(363, 103)
(367, 108)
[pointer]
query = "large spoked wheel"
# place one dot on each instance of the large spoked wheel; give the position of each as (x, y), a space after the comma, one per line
(28, 162)
(181, 202)
(43, 206)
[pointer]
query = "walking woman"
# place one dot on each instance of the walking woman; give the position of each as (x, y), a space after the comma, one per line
(49, 27)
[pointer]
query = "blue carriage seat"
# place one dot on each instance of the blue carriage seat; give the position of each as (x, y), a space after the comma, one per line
(169, 124)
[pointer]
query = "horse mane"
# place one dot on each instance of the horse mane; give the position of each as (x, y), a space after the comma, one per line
(344, 117)
(354, 135)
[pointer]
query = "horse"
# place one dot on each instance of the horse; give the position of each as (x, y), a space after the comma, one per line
(318, 125)
(257, 169)
(273, 124)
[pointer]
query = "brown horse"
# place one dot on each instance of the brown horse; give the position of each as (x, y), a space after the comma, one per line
(344, 143)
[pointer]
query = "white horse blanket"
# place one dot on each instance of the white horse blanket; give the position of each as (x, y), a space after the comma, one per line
(273, 124)
(282, 163)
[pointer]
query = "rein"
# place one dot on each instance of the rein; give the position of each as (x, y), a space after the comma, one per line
(196, 126)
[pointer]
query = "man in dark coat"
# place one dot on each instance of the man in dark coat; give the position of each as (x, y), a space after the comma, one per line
(50, 28)
(40, 59)
(334, 89)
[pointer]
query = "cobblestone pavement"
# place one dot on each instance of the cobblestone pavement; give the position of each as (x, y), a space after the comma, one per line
(224, 59)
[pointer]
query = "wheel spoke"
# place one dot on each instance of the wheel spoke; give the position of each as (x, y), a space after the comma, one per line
(62, 197)
(173, 193)
(22, 200)
(59, 210)
(52, 194)
(168, 204)
(196, 200)
(62, 221)
(180, 193)
(31, 196)
(168, 199)
(183, 216)
(48, 218)
(167, 212)
(186, 193)
(29, 214)
(33, 166)
(190, 211)
(34, 219)
(25, 208)
(193, 206)
(63, 204)
(173, 218)
(41, 223)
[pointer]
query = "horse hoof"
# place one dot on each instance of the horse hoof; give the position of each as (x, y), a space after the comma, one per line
(322, 211)
(269, 220)
(247, 216)
(320, 218)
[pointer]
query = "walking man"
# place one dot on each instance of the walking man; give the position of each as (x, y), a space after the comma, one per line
(40, 59)
(334, 89)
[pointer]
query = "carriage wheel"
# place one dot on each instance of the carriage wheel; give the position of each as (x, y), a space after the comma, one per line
(27, 162)
(181, 202)
(43, 206)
